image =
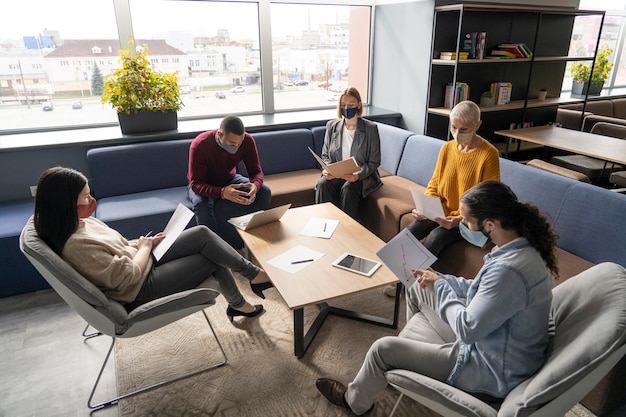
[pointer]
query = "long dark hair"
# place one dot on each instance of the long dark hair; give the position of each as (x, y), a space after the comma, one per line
(496, 201)
(56, 212)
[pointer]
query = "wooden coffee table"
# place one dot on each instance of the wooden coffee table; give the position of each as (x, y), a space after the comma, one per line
(320, 282)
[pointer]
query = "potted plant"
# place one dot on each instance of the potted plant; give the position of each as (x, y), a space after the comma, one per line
(487, 99)
(581, 74)
(145, 100)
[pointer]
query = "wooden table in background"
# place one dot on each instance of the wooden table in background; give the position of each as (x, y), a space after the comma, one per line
(320, 282)
(582, 143)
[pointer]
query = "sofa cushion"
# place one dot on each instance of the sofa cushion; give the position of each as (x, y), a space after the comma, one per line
(384, 207)
(128, 169)
(600, 107)
(285, 151)
(297, 188)
(136, 214)
(619, 108)
(392, 142)
(541, 188)
(419, 158)
(589, 239)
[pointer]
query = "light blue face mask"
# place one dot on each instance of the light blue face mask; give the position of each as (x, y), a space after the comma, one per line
(475, 237)
(349, 113)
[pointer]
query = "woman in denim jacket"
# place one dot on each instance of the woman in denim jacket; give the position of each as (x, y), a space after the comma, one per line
(494, 328)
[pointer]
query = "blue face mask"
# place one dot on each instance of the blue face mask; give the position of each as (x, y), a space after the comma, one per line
(475, 237)
(231, 149)
(349, 113)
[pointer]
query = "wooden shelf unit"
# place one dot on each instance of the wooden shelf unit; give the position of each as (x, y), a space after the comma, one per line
(547, 31)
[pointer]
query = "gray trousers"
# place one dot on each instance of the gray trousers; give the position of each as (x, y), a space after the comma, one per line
(195, 255)
(435, 360)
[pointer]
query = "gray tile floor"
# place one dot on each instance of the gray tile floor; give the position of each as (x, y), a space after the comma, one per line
(47, 369)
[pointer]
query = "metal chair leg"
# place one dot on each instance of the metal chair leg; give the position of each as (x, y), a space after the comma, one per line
(396, 405)
(116, 399)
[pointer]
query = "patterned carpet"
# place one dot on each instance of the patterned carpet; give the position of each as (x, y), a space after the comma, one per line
(262, 377)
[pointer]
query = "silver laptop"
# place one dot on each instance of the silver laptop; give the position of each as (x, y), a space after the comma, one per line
(259, 218)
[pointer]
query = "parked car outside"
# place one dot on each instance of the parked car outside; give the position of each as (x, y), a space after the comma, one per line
(238, 89)
(278, 87)
(185, 89)
(301, 82)
(77, 104)
(47, 106)
(325, 84)
(287, 83)
(220, 95)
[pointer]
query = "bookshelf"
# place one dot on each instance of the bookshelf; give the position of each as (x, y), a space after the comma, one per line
(547, 31)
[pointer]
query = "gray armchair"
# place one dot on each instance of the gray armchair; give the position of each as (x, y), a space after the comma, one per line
(588, 338)
(109, 317)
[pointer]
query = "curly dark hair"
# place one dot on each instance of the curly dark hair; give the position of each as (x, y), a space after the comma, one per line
(56, 211)
(496, 201)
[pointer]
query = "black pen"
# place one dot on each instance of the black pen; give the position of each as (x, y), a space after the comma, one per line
(302, 261)
(324, 226)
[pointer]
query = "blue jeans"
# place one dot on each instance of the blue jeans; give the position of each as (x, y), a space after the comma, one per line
(214, 212)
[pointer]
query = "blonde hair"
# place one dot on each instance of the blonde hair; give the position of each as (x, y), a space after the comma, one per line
(352, 92)
(467, 111)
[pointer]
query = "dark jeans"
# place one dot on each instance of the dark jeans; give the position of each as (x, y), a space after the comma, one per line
(436, 238)
(204, 209)
(197, 254)
(345, 195)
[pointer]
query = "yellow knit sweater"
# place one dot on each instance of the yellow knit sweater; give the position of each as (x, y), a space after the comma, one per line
(457, 172)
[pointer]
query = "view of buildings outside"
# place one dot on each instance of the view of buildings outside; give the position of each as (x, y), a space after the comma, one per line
(53, 63)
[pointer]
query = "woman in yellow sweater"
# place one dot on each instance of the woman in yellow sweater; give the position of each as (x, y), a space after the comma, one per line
(124, 270)
(462, 163)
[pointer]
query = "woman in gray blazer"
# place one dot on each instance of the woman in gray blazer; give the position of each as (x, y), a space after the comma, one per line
(350, 136)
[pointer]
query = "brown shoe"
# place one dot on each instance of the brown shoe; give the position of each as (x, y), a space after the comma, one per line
(332, 390)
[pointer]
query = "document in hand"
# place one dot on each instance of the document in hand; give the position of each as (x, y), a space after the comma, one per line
(179, 220)
(428, 205)
(338, 169)
(404, 253)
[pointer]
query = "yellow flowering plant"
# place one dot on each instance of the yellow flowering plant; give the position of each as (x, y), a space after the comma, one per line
(135, 86)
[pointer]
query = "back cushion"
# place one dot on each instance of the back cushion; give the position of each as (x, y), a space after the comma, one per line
(285, 150)
(601, 107)
(541, 188)
(619, 108)
(126, 169)
(419, 158)
(318, 138)
(392, 142)
(590, 215)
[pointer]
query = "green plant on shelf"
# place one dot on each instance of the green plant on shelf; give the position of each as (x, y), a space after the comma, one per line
(601, 71)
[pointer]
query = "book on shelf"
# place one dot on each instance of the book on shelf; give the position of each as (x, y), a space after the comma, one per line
(474, 44)
(501, 52)
(502, 91)
(451, 56)
(520, 50)
(456, 93)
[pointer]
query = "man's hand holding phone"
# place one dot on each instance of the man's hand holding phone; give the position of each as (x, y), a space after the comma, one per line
(243, 194)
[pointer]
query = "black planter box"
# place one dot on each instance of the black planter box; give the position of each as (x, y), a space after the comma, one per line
(580, 88)
(148, 121)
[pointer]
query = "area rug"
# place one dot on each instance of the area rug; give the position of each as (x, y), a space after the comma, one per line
(262, 377)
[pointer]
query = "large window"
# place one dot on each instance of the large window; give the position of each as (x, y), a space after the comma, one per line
(54, 56)
(317, 51)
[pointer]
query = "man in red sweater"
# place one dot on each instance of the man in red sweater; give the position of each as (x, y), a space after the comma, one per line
(212, 176)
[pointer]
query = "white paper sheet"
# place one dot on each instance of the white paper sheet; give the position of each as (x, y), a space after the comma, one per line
(295, 259)
(428, 205)
(177, 223)
(317, 227)
(404, 253)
